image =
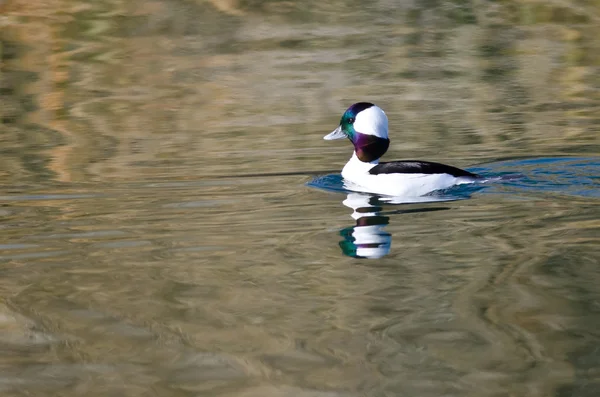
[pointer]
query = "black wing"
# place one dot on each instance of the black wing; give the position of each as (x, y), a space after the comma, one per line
(418, 167)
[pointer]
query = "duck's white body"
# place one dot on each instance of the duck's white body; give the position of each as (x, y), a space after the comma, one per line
(357, 178)
(366, 126)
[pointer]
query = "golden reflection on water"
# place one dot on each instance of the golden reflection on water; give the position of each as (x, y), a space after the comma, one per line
(129, 90)
(131, 267)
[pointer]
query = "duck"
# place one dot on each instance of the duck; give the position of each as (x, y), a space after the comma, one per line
(366, 126)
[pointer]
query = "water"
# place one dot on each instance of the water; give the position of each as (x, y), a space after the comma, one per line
(173, 224)
(526, 178)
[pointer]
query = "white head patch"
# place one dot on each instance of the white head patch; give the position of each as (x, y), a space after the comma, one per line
(372, 121)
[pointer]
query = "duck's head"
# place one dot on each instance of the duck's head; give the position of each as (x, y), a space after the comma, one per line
(366, 125)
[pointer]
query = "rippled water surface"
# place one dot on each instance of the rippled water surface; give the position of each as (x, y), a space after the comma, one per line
(173, 224)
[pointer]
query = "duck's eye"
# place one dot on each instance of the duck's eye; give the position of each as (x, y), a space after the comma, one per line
(351, 120)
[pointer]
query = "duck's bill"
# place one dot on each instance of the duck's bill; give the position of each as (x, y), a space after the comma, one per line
(335, 134)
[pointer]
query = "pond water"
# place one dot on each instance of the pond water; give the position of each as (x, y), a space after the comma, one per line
(173, 224)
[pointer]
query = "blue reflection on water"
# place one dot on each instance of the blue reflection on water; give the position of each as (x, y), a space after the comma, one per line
(555, 175)
(558, 175)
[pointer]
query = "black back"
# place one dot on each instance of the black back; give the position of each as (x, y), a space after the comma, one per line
(418, 167)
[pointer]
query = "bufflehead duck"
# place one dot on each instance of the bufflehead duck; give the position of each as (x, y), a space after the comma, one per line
(366, 125)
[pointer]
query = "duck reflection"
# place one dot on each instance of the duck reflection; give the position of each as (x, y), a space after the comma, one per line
(368, 239)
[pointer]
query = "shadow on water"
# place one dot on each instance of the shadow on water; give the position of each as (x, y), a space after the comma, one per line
(368, 239)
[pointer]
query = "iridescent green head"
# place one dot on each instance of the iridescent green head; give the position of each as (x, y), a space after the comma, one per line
(366, 125)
